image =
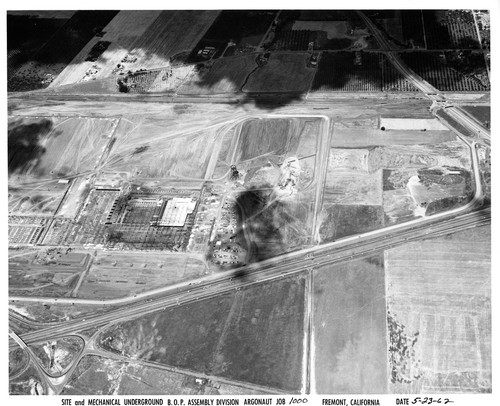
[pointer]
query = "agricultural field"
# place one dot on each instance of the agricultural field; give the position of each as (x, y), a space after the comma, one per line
(140, 40)
(284, 72)
(438, 301)
(234, 32)
(26, 34)
(451, 29)
(389, 22)
(348, 72)
(56, 357)
(226, 75)
(325, 29)
(273, 140)
(360, 71)
(449, 71)
(482, 113)
(428, 29)
(57, 53)
(483, 23)
(120, 274)
(393, 80)
(266, 136)
(55, 312)
(254, 335)
(413, 29)
(41, 199)
(349, 328)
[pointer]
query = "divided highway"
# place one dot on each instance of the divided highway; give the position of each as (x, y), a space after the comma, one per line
(226, 282)
(431, 92)
(271, 269)
(470, 215)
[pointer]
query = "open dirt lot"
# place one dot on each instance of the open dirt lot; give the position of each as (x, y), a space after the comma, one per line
(56, 147)
(440, 289)
(146, 149)
(350, 328)
(115, 275)
(105, 376)
(254, 335)
(46, 273)
(42, 199)
(367, 137)
(57, 356)
(344, 186)
(452, 153)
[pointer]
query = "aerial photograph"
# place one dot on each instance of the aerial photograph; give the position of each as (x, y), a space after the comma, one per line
(249, 202)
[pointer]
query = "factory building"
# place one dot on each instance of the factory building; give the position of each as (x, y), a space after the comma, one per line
(176, 211)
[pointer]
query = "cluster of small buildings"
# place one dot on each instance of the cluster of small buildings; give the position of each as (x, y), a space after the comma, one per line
(290, 171)
(91, 73)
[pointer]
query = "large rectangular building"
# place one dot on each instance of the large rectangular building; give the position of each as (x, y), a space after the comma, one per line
(176, 211)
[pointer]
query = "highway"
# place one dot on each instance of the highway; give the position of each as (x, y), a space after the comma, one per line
(265, 271)
(431, 92)
(229, 281)
(474, 203)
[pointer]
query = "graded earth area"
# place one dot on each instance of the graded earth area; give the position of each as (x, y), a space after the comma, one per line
(217, 202)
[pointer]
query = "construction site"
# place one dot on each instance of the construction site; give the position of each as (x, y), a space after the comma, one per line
(249, 202)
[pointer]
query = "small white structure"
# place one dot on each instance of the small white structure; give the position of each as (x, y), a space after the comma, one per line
(412, 124)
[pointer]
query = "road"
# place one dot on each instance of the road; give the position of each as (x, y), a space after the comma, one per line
(295, 263)
(432, 93)
(287, 264)
(475, 202)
